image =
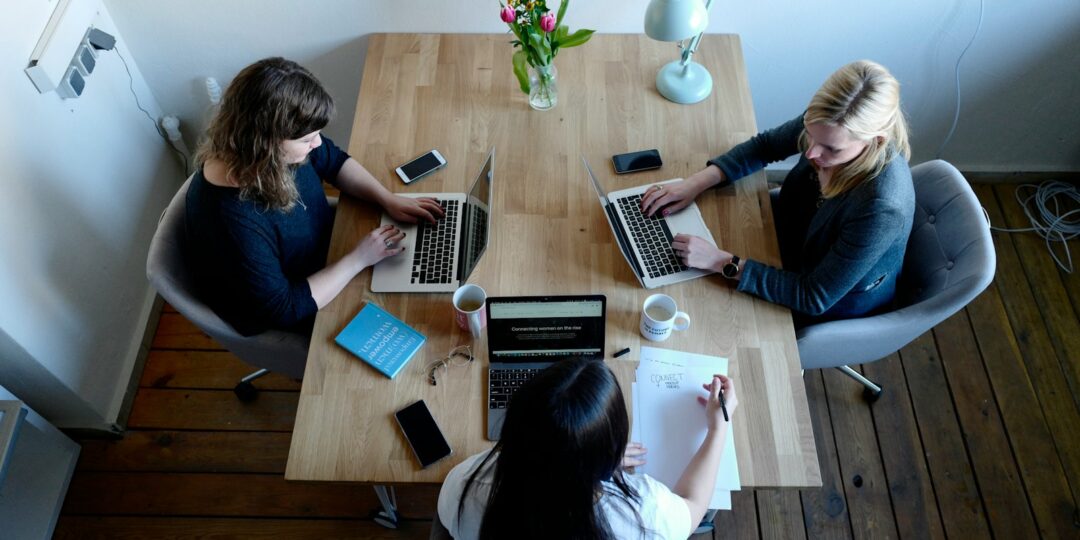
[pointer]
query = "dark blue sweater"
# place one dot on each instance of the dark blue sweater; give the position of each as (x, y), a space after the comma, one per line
(840, 260)
(251, 263)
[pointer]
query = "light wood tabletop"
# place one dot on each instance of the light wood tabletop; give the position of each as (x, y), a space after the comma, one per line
(457, 93)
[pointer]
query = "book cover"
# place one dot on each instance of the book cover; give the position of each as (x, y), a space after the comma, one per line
(380, 339)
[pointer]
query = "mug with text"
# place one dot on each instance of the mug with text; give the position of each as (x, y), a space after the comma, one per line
(469, 308)
(658, 316)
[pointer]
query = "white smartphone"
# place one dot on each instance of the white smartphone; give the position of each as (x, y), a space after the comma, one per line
(421, 167)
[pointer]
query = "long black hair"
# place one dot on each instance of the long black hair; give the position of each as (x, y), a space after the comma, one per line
(565, 433)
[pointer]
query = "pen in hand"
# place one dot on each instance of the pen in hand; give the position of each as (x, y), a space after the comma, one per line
(723, 405)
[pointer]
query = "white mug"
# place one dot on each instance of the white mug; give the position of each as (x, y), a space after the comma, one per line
(658, 316)
(469, 308)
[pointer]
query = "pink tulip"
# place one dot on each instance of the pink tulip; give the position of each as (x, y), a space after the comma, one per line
(547, 22)
(507, 14)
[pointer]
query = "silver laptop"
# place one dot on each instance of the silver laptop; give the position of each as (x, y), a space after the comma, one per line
(645, 241)
(529, 333)
(439, 257)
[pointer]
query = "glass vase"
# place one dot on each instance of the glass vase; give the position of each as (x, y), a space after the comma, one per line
(543, 87)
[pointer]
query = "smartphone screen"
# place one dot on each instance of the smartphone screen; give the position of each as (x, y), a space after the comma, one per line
(421, 166)
(423, 433)
(637, 161)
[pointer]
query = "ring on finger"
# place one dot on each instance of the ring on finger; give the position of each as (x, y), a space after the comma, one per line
(389, 244)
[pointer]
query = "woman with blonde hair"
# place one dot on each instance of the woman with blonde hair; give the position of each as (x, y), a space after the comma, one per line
(844, 211)
(258, 221)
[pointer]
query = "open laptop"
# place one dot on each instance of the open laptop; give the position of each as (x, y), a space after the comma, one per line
(529, 333)
(645, 241)
(439, 257)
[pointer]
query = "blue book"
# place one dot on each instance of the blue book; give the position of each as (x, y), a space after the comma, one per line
(380, 339)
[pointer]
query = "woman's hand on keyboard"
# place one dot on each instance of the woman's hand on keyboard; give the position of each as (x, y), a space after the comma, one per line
(411, 210)
(670, 198)
(379, 244)
(696, 252)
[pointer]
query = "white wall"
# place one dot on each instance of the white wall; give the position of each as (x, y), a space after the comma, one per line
(1019, 78)
(84, 181)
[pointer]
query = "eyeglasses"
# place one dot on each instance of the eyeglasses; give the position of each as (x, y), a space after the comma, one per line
(458, 356)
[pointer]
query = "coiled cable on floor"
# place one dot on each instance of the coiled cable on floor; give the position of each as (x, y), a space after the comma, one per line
(1053, 208)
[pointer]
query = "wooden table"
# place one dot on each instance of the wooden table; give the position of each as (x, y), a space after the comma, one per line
(457, 93)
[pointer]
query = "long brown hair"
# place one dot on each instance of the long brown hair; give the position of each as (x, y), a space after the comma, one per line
(863, 98)
(270, 101)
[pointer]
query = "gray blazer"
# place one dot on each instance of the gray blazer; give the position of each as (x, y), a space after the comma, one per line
(840, 260)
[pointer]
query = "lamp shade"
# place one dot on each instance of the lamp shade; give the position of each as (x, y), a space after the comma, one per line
(675, 20)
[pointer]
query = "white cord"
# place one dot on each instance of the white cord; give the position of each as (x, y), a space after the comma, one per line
(1045, 207)
(956, 73)
(131, 86)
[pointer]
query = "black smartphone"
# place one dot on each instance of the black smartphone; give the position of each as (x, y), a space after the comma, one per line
(423, 434)
(636, 161)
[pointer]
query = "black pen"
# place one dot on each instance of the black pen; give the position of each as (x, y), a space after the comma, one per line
(622, 352)
(723, 405)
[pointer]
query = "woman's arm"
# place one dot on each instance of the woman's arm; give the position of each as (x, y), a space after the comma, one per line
(698, 480)
(355, 180)
(376, 246)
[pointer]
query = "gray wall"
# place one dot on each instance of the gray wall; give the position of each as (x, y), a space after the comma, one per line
(84, 181)
(1019, 79)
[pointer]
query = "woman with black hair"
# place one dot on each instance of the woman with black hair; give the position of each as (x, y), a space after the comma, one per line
(558, 470)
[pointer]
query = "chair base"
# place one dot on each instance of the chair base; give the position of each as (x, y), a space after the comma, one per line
(871, 392)
(244, 390)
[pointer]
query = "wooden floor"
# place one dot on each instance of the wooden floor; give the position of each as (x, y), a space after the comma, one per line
(976, 436)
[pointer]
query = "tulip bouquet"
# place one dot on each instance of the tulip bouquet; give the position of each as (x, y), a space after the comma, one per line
(540, 34)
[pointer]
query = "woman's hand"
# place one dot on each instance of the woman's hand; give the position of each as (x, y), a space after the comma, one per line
(714, 414)
(378, 245)
(670, 198)
(411, 210)
(696, 252)
(634, 456)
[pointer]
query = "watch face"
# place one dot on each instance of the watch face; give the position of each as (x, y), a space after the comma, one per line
(730, 270)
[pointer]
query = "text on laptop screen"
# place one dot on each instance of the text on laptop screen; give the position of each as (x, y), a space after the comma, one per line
(542, 329)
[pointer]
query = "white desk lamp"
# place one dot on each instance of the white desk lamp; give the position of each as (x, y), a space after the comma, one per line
(682, 81)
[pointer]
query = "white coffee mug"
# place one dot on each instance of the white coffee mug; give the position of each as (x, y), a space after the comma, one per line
(469, 308)
(658, 316)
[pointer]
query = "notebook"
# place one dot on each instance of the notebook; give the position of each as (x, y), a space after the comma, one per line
(645, 241)
(380, 339)
(529, 333)
(439, 257)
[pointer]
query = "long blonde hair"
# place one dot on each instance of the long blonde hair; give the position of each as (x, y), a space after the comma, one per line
(863, 98)
(270, 101)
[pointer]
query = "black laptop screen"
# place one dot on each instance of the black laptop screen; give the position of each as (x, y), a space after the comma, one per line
(539, 328)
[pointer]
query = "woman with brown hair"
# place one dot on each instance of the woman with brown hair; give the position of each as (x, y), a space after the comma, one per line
(257, 217)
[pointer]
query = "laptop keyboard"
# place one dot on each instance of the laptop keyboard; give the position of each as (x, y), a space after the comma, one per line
(502, 383)
(652, 238)
(433, 260)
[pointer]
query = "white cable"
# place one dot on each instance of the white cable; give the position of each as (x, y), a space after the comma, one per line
(956, 73)
(213, 90)
(1045, 208)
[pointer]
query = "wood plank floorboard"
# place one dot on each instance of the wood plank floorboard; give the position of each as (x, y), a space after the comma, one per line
(976, 436)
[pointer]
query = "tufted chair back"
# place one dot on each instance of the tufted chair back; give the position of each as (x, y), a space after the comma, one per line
(950, 259)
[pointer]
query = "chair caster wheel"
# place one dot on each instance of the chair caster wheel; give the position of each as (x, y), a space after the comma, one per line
(246, 392)
(386, 521)
(871, 396)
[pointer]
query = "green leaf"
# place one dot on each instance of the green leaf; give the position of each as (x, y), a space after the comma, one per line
(561, 32)
(562, 11)
(577, 38)
(520, 71)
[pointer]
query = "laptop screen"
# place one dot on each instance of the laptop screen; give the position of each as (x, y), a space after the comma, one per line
(539, 328)
(476, 220)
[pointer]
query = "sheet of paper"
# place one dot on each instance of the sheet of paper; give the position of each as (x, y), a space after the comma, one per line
(670, 421)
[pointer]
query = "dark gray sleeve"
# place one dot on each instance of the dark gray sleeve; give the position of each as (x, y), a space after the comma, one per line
(867, 232)
(746, 158)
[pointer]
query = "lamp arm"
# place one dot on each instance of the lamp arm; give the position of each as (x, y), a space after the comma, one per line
(688, 52)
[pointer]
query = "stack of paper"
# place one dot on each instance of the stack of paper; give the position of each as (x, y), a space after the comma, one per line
(670, 422)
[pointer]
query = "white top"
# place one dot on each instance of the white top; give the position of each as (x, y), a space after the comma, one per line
(663, 513)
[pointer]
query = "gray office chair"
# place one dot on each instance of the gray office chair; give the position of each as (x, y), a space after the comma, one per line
(277, 351)
(950, 259)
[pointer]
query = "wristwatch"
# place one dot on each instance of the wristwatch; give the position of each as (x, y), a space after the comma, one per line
(731, 268)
